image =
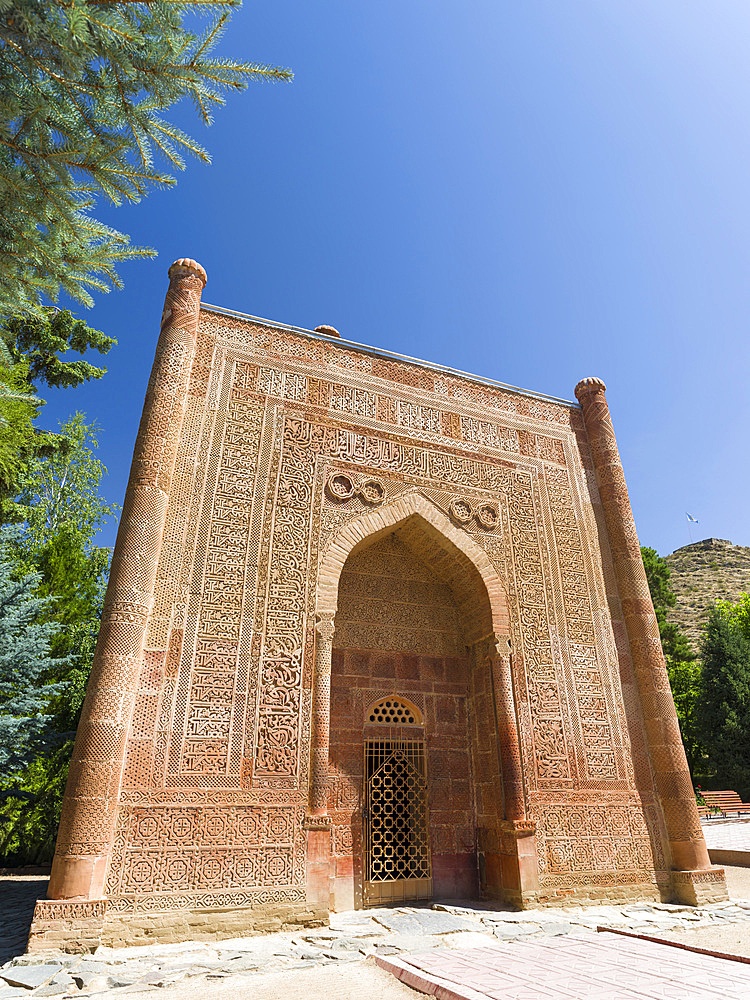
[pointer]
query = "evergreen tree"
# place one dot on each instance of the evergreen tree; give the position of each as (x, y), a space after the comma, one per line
(683, 666)
(43, 342)
(36, 350)
(60, 502)
(724, 705)
(18, 438)
(25, 664)
(84, 85)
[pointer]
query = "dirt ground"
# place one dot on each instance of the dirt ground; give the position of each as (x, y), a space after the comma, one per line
(738, 882)
(733, 939)
(361, 981)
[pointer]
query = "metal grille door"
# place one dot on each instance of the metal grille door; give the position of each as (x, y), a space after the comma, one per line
(397, 849)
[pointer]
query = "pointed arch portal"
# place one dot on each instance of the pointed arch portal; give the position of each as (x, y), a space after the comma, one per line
(410, 608)
(459, 560)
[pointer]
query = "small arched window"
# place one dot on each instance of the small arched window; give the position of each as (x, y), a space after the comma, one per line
(394, 711)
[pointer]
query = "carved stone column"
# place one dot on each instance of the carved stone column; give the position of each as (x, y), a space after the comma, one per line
(507, 733)
(521, 872)
(318, 822)
(321, 715)
(669, 765)
(87, 828)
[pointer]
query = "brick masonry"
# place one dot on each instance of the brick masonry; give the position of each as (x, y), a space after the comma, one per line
(308, 522)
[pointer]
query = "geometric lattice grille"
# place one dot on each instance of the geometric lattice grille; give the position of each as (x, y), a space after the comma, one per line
(397, 851)
(393, 712)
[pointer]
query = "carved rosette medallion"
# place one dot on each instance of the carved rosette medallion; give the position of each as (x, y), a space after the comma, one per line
(486, 515)
(341, 487)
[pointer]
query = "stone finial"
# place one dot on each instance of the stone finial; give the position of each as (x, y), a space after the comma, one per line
(329, 331)
(186, 265)
(587, 385)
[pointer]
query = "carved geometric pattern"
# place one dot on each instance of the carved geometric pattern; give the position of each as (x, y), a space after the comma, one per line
(286, 442)
(397, 842)
(599, 844)
(394, 712)
(188, 848)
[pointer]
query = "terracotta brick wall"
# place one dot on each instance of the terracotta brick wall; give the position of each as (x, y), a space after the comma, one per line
(270, 456)
(390, 597)
(438, 685)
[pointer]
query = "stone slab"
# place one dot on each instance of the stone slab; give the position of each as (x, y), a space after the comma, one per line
(30, 976)
(425, 922)
(54, 989)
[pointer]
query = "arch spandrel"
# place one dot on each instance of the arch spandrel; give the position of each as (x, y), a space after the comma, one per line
(453, 554)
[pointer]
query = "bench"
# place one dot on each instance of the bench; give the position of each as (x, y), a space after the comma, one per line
(710, 812)
(725, 802)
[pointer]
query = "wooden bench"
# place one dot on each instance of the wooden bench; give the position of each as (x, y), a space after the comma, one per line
(726, 802)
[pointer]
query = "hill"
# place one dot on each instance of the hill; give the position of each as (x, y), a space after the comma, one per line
(702, 573)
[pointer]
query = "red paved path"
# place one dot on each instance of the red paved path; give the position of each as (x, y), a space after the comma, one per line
(596, 967)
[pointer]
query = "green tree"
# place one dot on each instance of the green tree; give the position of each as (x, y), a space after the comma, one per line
(737, 612)
(26, 693)
(61, 487)
(60, 501)
(47, 349)
(18, 438)
(683, 666)
(658, 575)
(44, 342)
(724, 704)
(84, 85)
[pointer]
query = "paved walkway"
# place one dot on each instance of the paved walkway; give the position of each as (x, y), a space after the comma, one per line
(593, 967)
(727, 836)
(336, 954)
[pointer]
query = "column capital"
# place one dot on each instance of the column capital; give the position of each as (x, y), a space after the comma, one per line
(316, 822)
(588, 386)
(519, 827)
(497, 645)
(185, 266)
(325, 626)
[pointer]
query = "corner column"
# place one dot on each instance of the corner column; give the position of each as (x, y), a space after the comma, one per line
(318, 822)
(87, 827)
(321, 715)
(507, 731)
(669, 764)
(521, 878)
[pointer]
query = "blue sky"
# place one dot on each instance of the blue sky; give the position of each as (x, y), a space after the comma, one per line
(531, 191)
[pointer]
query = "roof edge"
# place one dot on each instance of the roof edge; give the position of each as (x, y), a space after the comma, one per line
(393, 356)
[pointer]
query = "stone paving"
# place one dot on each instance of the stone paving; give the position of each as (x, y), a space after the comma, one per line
(573, 967)
(351, 937)
(722, 835)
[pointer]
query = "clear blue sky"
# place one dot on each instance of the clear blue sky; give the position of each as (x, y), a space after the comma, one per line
(531, 191)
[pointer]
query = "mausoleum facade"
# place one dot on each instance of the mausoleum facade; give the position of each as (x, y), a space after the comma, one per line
(375, 631)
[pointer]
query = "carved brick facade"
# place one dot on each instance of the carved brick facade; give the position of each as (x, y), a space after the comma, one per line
(310, 526)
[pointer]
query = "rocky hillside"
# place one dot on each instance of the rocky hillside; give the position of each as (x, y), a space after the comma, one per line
(703, 572)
